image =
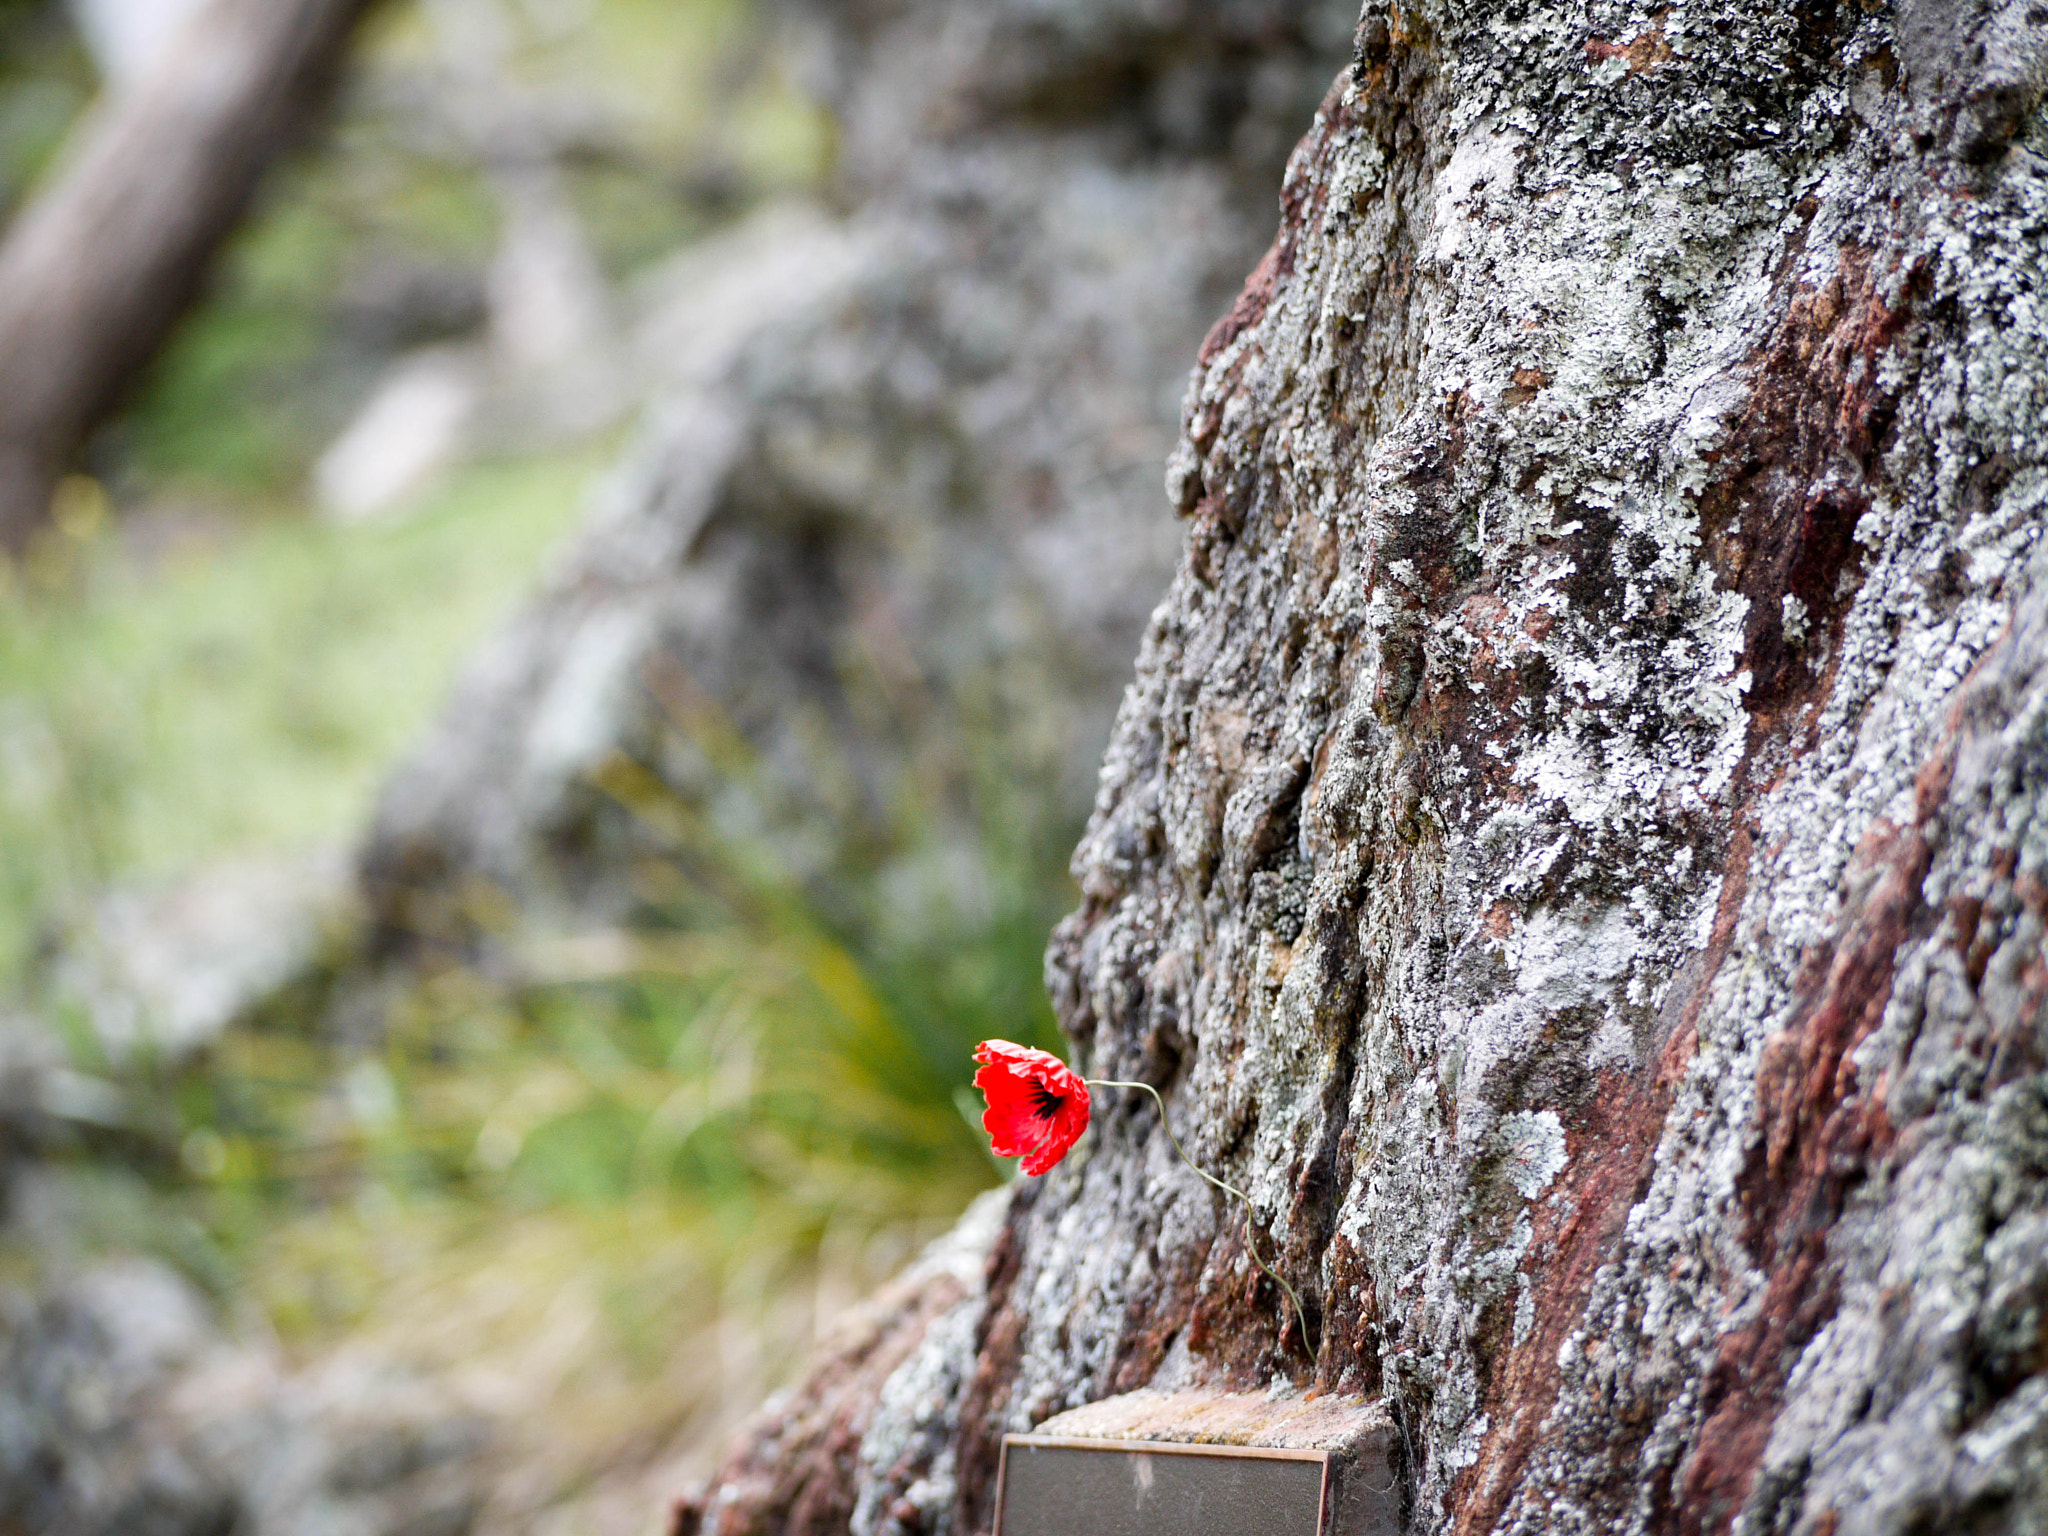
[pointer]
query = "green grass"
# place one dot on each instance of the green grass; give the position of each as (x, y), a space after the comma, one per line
(244, 693)
(45, 82)
(736, 1063)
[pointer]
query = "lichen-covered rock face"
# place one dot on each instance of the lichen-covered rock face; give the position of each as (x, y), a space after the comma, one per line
(897, 506)
(1576, 848)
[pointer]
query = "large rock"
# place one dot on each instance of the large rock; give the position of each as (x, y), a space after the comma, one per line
(898, 506)
(1577, 847)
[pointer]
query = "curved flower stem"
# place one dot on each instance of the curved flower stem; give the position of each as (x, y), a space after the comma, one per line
(1232, 1190)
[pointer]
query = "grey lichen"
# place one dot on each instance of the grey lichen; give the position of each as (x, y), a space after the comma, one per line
(906, 1458)
(1535, 1148)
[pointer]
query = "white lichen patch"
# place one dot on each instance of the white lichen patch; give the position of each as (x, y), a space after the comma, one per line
(1534, 1146)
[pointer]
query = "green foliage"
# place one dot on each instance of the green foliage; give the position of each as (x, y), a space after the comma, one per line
(743, 1071)
(238, 687)
(638, 1177)
(45, 82)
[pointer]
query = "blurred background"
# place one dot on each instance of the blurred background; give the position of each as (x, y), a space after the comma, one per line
(570, 564)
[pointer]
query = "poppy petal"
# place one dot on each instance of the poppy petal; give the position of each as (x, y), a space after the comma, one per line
(1037, 1107)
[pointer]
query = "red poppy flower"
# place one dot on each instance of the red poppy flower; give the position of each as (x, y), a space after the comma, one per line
(1036, 1107)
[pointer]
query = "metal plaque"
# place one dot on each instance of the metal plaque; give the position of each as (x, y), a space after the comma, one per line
(1053, 1486)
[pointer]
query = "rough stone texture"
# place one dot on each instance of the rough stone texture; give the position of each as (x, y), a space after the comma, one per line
(895, 508)
(808, 1458)
(1576, 848)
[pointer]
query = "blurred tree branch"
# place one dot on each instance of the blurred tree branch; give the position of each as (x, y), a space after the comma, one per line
(98, 270)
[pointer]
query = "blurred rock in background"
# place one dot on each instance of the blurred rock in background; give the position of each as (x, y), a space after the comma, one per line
(893, 525)
(545, 360)
(127, 1412)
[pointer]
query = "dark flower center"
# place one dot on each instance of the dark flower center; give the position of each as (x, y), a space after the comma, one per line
(1044, 1102)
